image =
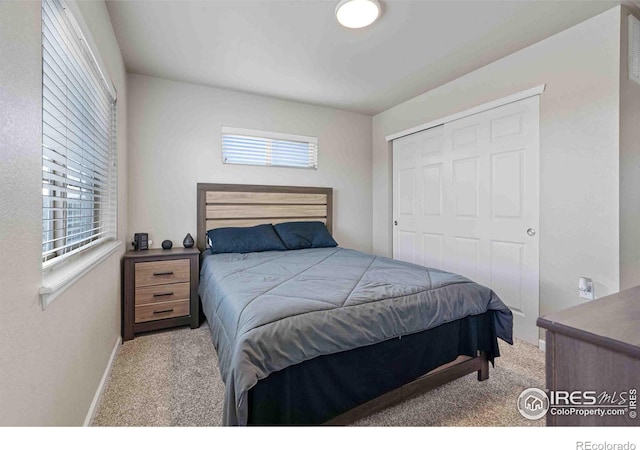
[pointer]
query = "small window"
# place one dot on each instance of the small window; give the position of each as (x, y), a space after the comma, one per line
(262, 148)
(79, 166)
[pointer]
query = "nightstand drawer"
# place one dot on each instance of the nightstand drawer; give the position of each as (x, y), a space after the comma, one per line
(162, 272)
(162, 293)
(164, 310)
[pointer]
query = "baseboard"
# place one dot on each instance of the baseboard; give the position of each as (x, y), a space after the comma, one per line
(105, 376)
(542, 344)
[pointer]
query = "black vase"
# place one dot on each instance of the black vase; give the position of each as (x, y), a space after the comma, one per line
(188, 241)
(167, 244)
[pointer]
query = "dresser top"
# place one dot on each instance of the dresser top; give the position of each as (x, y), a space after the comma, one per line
(612, 321)
(159, 253)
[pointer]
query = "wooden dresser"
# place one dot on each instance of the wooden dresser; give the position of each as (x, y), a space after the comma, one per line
(160, 290)
(595, 346)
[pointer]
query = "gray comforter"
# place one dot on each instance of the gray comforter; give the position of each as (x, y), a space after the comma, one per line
(268, 311)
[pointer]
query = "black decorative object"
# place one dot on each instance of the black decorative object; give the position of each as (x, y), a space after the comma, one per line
(188, 241)
(167, 244)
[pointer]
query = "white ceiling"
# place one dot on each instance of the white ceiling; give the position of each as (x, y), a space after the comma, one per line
(296, 50)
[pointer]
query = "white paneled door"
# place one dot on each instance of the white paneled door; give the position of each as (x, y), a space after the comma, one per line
(465, 200)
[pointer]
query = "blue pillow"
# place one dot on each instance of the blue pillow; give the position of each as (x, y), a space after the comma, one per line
(297, 235)
(260, 238)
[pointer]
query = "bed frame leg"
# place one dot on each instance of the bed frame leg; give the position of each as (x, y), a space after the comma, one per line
(483, 373)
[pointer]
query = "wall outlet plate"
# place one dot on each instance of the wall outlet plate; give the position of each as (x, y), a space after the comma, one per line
(585, 288)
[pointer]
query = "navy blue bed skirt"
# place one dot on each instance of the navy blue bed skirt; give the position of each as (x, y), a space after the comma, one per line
(322, 388)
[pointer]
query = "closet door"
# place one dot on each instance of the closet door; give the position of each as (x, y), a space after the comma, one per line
(418, 198)
(466, 201)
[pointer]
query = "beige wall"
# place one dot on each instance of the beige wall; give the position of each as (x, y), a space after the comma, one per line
(175, 140)
(629, 165)
(579, 134)
(51, 361)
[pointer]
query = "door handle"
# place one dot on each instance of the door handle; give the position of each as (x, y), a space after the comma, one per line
(395, 222)
(531, 232)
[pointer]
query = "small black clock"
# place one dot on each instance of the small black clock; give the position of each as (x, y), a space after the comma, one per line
(140, 241)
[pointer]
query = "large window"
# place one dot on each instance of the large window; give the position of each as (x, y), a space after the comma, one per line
(262, 148)
(78, 140)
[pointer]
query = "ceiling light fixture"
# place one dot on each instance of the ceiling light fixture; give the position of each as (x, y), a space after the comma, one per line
(357, 13)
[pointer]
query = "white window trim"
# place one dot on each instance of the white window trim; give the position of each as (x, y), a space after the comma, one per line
(75, 17)
(57, 278)
(269, 135)
(60, 278)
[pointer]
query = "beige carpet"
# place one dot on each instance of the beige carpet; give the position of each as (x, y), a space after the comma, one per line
(171, 378)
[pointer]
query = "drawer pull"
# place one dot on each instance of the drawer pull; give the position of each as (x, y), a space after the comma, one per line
(156, 274)
(163, 311)
(166, 294)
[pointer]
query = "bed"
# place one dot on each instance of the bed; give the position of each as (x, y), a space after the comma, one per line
(328, 335)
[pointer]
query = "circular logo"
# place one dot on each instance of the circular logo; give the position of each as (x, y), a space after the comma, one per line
(533, 403)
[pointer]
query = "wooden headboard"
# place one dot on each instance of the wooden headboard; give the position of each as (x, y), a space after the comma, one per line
(245, 205)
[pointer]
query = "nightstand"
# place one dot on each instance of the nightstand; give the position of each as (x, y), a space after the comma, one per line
(160, 290)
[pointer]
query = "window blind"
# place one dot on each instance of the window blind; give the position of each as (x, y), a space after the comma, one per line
(263, 148)
(79, 167)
